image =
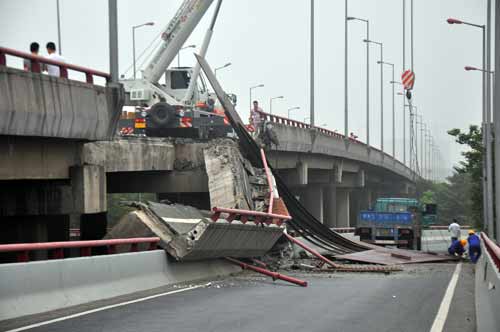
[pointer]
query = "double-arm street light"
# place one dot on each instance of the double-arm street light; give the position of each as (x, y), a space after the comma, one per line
(221, 67)
(393, 112)
(486, 119)
(381, 62)
(292, 109)
(133, 40)
(179, 54)
(351, 18)
(252, 88)
(271, 103)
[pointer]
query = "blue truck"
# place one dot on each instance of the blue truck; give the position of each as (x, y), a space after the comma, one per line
(393, 221)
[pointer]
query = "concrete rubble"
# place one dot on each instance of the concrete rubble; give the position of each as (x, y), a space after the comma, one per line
(188, 233)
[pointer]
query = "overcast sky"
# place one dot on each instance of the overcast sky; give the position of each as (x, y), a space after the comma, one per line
(268, 42)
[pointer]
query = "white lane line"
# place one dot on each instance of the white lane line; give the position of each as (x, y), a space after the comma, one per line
(444, 308)
(88, 312)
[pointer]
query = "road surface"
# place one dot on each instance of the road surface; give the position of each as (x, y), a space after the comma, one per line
(404, 301)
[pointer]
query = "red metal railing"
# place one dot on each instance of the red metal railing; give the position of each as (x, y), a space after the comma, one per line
(269, 181)
(244, 216)
(274, 275)
(23, 249)
(36, 67)
(493, 250)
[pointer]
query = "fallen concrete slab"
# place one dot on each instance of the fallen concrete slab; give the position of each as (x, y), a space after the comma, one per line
(187, 233)
(387, 256)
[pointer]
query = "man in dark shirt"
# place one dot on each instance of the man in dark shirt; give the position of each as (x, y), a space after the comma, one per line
(34, 48)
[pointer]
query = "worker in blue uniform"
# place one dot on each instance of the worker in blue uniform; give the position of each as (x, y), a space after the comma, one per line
(457, 247)
(474, 246)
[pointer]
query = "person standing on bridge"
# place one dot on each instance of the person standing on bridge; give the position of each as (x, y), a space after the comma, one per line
(474, 246)
(51, 69)
(34, 48)
(256, 117)
(454, 228)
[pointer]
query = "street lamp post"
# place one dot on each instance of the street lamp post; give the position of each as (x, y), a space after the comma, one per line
(349, 18)
(381, 90)
(404, 121)
(487, 180)
(133, 40)
(393, 112)
(271, 103)
(292, 109)
(252, 88)
(221, 67)
(179, 53)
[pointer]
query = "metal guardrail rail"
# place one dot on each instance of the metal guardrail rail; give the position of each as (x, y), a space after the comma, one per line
(23, 249)
(493, 250)
(36, 67)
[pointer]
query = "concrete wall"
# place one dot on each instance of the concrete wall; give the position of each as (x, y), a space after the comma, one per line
(34, 104)
(487, 291)
(36, 287)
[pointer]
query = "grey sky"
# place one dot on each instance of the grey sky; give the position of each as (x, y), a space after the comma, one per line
(268, 42)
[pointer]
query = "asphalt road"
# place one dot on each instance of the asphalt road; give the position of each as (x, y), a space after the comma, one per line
(405, 301)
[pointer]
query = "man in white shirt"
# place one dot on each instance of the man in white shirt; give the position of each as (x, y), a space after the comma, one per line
(51, 69)
(454, 228)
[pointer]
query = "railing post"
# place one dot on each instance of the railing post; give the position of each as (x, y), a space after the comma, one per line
(85, 251)
(134, 247)
(89, 77)
(152, 246)
(23, 256)
(111, 249)
(63, 72)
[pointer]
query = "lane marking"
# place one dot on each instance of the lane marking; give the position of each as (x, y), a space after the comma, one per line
(444, 308)
(88, 312)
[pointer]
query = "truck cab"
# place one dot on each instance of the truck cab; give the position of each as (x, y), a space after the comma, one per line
(393, 221)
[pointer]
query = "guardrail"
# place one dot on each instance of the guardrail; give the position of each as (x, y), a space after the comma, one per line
(293, 123)
(244, 215)
(36, 67)
(23, 249)
(493, 250)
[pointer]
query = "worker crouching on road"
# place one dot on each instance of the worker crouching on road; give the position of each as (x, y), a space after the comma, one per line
(474, 246)
(457, 248)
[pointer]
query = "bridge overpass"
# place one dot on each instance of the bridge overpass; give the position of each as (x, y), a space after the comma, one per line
(61, 157)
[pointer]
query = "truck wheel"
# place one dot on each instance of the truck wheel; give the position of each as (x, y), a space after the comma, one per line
(161, 114)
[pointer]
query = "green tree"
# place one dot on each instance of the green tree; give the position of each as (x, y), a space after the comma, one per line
(471, 170)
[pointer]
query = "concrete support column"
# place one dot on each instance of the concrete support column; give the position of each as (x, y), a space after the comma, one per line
(302, 173)
(88, 184)
(343, 213)
(312, 198)
(330, 206)
(354, 207)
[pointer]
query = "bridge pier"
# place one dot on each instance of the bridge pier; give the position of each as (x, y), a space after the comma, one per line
(343, 207)
(330, 206)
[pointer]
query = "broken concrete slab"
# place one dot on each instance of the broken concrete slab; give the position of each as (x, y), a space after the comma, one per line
(187, 233)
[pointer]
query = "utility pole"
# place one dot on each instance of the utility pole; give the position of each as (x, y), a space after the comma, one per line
(311, 84)
(496, 115)
(488, 148)
(113, 40)
(346, 96)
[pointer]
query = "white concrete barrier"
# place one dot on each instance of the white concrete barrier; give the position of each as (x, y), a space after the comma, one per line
(36, 287)
(487, 293)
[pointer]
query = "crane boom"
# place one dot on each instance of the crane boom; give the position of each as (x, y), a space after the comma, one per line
(174, 36)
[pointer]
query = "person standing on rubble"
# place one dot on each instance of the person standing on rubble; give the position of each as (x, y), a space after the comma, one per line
(256, 117)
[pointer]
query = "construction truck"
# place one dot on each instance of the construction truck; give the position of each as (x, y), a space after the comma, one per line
(181, 105)
(396, 222)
